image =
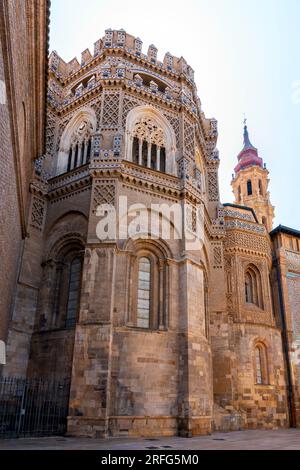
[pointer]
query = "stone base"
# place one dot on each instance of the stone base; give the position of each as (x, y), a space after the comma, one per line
(228, 420)
(138, 426)
(80, 426)
(190, 427)
(143, 426)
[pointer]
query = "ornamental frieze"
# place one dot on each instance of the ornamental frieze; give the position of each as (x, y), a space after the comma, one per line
(238, 215)
(245, 226)
(247, 241)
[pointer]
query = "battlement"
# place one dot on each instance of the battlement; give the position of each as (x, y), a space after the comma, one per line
(120, 40)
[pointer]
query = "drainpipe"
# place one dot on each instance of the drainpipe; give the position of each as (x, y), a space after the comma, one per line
(285, 346)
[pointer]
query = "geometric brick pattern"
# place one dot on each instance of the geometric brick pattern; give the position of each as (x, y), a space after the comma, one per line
(110, 116)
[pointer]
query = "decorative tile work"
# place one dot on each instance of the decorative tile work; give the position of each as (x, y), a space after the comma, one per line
(189, 138)
(238, 215)
(50, 133)
(191, 218)
(38, 211)
(217, 255)
(174, 121)
(245, 226)
(213, 185)
(117, 145)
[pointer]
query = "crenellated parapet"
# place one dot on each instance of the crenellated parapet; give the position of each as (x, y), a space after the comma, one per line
(121, 42)
(117, 57)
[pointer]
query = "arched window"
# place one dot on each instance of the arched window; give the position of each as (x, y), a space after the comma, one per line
(144, 293)
(261, 365)
(66, 290)
(264, 221)
(253, 287)
(260, 188)
(249, 188)
(76, 145)
(149, 286)
(152, 133)
(73, 292)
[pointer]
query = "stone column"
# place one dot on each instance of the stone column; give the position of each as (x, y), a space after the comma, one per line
(73, 157)
(161, 324)
(158, 159)
(86, 145)
(140, 152)
(91, 374)
(149, 155)
(195, 404)
(80, 154)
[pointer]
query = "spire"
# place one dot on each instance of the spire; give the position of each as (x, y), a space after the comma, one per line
(249, 154)
(247, 143)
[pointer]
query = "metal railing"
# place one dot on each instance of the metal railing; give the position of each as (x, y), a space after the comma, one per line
(33, 407)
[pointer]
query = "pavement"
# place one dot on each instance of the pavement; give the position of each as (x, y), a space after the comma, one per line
(283, 439)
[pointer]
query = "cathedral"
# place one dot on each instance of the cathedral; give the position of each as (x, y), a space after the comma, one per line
(157, 335)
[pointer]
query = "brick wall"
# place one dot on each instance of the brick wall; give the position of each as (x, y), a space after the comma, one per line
(23, 43)
(10, 230)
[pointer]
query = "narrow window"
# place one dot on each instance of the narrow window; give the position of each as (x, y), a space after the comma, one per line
(163, 159)
(261, 365)
(76, 156)
(145, 153)
(253, 287)
(249, 188)
(143, 295)
(135, 150)
(260, 188)
(153, 156)
(89, 151)
(248, 289)
(258, 363)
(73, 293)
(70, 159)
(82, 153)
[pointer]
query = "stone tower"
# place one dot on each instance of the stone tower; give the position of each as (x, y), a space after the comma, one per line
(161, 327)
(250, 183)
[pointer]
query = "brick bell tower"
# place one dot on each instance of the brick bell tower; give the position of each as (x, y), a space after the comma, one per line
(250, 183)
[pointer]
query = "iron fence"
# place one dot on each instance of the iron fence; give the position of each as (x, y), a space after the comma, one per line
(33, 407)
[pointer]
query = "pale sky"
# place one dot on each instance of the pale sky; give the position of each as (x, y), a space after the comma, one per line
(246, 60)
